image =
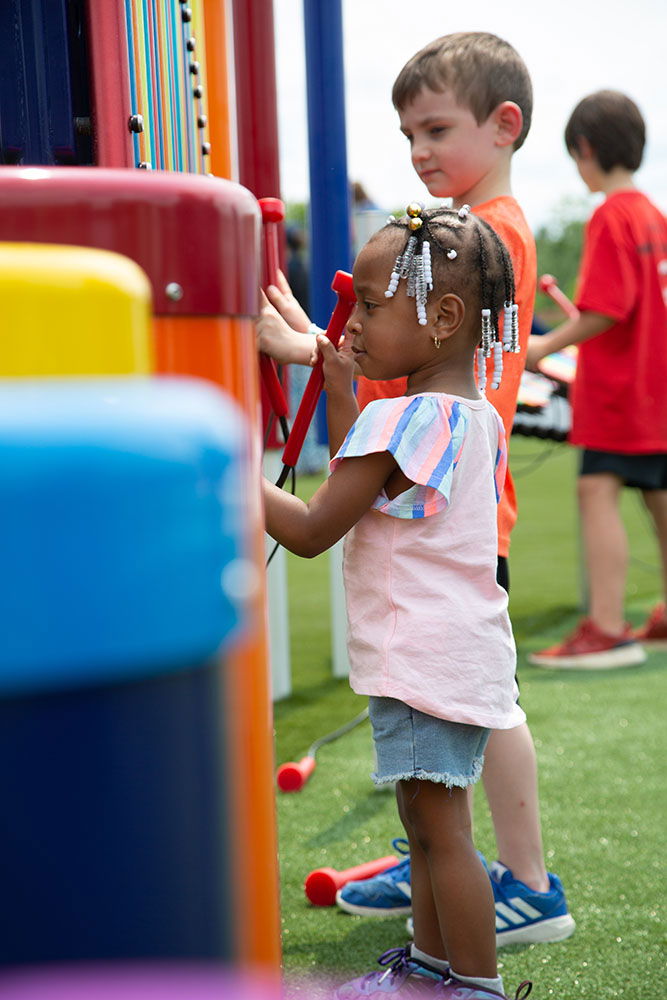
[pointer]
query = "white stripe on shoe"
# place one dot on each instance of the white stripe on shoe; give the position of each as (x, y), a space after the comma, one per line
(510, 913)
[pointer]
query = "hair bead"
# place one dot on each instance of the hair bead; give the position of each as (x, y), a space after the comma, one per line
(515, 347)
(481, 370)
(487, 336)
(497, 365)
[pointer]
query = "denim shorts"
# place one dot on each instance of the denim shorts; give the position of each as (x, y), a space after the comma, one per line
(410, 744)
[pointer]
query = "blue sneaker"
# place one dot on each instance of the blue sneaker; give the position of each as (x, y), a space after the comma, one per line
(403, 977)
(384, 895)
(524, 916)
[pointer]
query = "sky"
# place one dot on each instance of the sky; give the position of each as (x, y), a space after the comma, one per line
(571, 48)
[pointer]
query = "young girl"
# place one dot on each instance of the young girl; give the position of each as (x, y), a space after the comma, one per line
(414, 485)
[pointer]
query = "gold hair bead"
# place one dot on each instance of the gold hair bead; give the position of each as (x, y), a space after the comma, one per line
(415, 224)
(413, 210)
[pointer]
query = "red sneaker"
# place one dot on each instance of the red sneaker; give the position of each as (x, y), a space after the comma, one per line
(590, 649)
(654, 630)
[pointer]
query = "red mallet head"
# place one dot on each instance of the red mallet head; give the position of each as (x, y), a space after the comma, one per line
(322, 884)
(343, 286)
(293, 776)
(272, 209)
(546, 282)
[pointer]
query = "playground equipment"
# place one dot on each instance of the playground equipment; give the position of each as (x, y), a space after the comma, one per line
(142, 83)
(135, 982)
(273, 213)
(125, 548)
(201, 326)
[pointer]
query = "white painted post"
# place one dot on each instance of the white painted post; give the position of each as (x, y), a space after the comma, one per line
(279, 645)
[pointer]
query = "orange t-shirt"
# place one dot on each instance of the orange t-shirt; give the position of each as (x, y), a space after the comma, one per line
(506, 217)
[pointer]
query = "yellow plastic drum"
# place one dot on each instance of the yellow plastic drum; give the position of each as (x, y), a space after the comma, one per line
(72, 311)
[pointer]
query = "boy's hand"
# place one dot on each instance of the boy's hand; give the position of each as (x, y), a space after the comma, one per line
(536, 351)
(338, 365)
(277, 339)
(280, 296)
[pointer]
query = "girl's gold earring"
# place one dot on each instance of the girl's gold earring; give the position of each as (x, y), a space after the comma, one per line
(436, 341)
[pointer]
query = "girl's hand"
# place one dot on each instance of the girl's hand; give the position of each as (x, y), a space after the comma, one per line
(277, 339)
(280, 296)
(338, 365)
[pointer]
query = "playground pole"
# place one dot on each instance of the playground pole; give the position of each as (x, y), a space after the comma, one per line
(330, 234)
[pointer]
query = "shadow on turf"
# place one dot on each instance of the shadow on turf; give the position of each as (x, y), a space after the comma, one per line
(354, 953)
(348, 824)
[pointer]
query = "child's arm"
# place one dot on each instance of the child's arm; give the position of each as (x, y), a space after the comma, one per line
(307, 529)
(277, 339)
(573, 331)
(281, 326)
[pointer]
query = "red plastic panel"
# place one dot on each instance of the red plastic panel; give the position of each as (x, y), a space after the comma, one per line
(198, 238)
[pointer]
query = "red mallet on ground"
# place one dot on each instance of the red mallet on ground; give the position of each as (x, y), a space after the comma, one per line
(344, 289)
(291, 777)
(322, 884)
(273, 213)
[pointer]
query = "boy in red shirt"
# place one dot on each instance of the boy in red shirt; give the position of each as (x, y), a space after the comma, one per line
(619, 404)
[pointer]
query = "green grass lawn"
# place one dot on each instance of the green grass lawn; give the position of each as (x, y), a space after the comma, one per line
(600, 739)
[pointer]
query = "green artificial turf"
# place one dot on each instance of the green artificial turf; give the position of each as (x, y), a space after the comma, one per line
(601, 747)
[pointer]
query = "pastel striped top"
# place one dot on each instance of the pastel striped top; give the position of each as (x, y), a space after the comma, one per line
(425, 434)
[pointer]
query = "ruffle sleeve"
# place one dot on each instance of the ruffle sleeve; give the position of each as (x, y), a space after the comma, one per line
(425, 435)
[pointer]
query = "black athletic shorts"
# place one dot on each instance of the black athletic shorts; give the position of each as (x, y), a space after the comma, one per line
(642, 472)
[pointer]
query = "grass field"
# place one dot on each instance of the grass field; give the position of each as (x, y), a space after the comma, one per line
(600, 739)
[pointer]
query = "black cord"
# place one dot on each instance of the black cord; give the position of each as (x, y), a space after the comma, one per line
(330, 737)
(287, 470)
(536, 461)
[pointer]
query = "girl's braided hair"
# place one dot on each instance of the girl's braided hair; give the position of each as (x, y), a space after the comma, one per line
(453, 250)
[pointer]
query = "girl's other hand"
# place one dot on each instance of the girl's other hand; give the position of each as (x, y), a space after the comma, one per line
(338, 365)
(277, 339)
(280, 296)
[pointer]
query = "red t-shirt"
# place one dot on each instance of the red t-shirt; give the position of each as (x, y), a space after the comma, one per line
(619, 396)
(506, 217)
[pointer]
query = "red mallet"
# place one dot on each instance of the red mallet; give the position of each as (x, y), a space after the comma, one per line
(344, 289)
(291, 777)
(548, 284)
(322, 884)
(273, 213)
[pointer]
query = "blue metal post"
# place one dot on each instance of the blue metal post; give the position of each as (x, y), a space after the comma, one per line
(330, 243)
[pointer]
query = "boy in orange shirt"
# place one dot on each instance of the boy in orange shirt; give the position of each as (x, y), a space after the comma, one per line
(464, 103)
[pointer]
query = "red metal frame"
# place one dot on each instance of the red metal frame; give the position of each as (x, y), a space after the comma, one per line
(110, 83)
(183, 229)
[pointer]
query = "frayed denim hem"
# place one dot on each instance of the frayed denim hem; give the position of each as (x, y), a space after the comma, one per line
(449, 780)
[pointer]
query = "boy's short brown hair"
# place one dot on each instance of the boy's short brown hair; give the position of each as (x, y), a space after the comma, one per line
(481, 70)
(614, 127)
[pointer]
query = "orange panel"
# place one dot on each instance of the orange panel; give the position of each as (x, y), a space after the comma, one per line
(217, 78)
(222, 349)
